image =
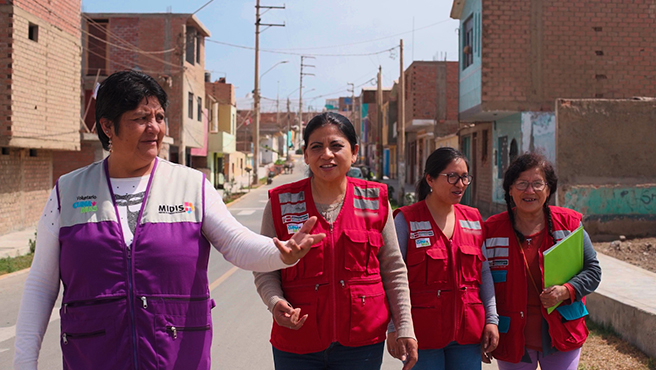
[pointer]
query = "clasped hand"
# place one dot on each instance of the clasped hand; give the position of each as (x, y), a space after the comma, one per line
(554, 295)
(299, 244)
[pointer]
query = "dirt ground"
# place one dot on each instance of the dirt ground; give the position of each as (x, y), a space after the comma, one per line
(604, 349)
(638, 252)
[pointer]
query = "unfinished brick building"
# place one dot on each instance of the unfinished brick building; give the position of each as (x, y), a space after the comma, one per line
(39, 104)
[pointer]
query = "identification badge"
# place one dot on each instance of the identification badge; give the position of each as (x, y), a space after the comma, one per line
(293, 228)
(422, 243)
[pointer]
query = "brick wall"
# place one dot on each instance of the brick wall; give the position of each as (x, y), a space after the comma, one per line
(223, 92)
(421, 91)
(64, 14)
(24, 188)
(535, 51)
(452, 92)
(40, 102)
(67, 161)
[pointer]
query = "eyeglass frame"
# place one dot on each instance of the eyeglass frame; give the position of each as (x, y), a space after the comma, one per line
(531, 184)
(462, 178)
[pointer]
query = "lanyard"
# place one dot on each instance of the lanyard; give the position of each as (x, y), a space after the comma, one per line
(528, 270)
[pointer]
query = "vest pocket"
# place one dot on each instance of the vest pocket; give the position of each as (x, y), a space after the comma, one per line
(436, 266)
(473, 319)
(369, 314)
(432, 316)
(182, 342)
(471, 263)
(361, 250)
(307, 299)
(89, 328)
(312, 264)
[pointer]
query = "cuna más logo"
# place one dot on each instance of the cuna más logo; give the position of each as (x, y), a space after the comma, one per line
(187, 207)
(86, 203)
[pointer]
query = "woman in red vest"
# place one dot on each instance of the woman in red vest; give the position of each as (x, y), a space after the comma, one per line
(451, 288)
(515, 242)
(331, 310)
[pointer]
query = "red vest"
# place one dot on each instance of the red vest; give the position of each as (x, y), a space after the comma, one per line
(445, 277)
(338, 283)
(509, 274)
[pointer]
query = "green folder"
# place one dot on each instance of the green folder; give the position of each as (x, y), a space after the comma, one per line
(563, 261)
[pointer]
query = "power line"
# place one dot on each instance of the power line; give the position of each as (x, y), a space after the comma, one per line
(282, 51)
(302, 54)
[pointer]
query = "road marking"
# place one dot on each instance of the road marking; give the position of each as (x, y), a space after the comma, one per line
(223, 278)
(10, 331)
(246, 212)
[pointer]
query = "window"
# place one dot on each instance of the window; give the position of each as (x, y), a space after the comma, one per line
(468, 43)
(191, 45)
(190, 106)
(5, 151)
(33, 32)
(33, 153)
(200, 109)
(97, 47)
(198, 49)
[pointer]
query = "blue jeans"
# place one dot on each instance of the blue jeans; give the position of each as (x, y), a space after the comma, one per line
(452, 357)
(335, 357)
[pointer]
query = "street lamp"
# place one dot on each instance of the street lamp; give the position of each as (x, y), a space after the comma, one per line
(256, 126)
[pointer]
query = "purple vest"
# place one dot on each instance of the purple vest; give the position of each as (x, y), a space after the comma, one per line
(144, 306)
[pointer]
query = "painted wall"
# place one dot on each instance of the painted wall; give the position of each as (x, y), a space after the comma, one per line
(470, 78)
(505, 130)
(539, 134)
(606, 167)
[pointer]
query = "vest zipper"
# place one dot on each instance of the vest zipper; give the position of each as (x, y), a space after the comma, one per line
(175, 329)
(66, 336)
(131, 301)
(333, 286)
(144, 302)
(89, 302)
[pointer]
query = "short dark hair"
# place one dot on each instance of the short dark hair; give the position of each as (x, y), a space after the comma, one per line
(436, 163)
(121, 92)
(342, 123)
(523, 163)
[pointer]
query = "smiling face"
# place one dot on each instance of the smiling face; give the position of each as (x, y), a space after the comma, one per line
(530, 201)
(140, 134)
(329, 154)
(444, 192)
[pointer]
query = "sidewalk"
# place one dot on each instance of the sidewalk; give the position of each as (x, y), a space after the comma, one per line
(16, 243)
(394, 183)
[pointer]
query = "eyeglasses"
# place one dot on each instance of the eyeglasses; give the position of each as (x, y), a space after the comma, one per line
(452, 178)
(536, 185)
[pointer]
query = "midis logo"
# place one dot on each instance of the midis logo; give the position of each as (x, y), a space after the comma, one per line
(187, 207)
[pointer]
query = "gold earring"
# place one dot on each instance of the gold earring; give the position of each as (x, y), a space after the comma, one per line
(110, 146)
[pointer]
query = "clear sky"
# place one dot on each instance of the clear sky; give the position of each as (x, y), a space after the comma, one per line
(311, 27)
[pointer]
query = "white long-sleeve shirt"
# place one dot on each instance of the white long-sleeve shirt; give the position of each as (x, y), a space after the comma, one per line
(239, 246)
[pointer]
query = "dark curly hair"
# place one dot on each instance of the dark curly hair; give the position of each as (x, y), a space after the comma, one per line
(523, 163)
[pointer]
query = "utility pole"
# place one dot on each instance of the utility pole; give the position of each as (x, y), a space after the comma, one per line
(289, 132)
(256, 90)
(379, 106)
(401, 134)
(300, 100)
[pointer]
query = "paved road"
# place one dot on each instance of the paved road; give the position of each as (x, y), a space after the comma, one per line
(241, 321)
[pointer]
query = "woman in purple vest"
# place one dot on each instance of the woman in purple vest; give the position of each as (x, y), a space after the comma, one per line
(129, 238)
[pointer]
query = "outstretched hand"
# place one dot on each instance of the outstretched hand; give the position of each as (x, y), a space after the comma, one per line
(299, 244)
(288, 316)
